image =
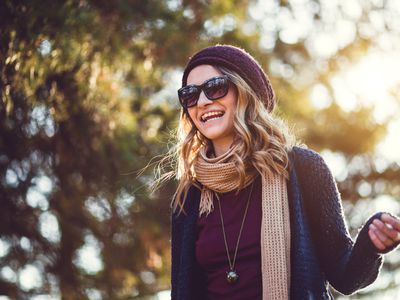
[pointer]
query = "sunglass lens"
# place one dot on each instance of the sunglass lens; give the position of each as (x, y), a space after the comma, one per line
(188, 96)
(216, 88)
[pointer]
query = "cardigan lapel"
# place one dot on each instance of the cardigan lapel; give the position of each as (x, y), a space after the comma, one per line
(188, 250)
(307, 279)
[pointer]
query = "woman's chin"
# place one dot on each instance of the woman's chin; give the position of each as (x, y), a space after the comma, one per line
(218, 136)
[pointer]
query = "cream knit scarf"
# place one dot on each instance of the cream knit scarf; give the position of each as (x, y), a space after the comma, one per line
(219, 175)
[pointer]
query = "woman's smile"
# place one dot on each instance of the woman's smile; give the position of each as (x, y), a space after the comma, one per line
(211, 116)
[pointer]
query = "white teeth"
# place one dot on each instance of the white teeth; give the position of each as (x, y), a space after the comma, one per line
(213, 119)
(211, 115)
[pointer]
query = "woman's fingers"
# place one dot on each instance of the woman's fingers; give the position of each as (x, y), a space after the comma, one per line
(393, 221)
(375, 240)
(387, 229)
(384, 233)
(385, 240)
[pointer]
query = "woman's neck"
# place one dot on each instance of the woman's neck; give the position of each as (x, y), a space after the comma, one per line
(221, 148)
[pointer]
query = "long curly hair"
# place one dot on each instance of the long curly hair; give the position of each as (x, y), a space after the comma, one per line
(263, 142)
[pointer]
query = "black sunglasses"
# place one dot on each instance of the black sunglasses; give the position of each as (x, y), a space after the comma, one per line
(213, 88)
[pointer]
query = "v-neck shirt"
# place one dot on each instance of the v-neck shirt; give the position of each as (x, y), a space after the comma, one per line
(211, 251)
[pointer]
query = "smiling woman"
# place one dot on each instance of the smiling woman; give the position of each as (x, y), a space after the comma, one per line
(254, 215)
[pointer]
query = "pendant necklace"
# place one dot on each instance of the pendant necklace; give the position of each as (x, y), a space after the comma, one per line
(231, 275)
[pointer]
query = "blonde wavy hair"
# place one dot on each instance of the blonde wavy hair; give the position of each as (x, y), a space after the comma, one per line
(263, 142)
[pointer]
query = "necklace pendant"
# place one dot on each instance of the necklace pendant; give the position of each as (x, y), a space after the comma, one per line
(232, 276)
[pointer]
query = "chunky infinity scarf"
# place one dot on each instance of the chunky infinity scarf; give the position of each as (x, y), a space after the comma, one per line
(219, 175)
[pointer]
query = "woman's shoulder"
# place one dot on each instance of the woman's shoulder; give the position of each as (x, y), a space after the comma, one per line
(302, 152)
(306, 159)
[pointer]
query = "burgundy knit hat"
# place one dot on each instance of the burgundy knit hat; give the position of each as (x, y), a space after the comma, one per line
(239, 61)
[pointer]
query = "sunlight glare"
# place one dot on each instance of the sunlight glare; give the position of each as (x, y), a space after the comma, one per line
(4, 248)
(390, 145)
(164, 295)
(374, 82)
(30, 278)
(320, 97)
(370, 83)
(88, 257)
(336, 163)
(49, 227)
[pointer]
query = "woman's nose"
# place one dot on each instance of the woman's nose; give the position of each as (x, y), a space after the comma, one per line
(203, 100)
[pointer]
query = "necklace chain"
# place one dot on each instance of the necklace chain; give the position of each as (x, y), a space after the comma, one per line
(232, 263)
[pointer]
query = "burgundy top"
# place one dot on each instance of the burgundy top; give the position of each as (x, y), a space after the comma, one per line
(211, 252)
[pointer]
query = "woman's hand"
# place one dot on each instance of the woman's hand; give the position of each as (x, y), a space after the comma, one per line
(385, 233)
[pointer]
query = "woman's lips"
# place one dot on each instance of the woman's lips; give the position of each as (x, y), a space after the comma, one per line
(212, 115)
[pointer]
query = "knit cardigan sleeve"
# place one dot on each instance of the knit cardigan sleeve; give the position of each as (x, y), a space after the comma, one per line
(348, 265)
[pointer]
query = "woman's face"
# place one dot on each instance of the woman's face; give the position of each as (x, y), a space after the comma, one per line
(218, 126)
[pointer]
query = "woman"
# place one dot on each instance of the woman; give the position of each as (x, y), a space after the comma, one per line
(255, 217)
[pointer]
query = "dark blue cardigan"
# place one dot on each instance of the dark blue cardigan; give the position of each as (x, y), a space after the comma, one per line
(322, 250)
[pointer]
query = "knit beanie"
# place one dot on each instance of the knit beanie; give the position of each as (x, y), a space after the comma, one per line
(239, 61)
